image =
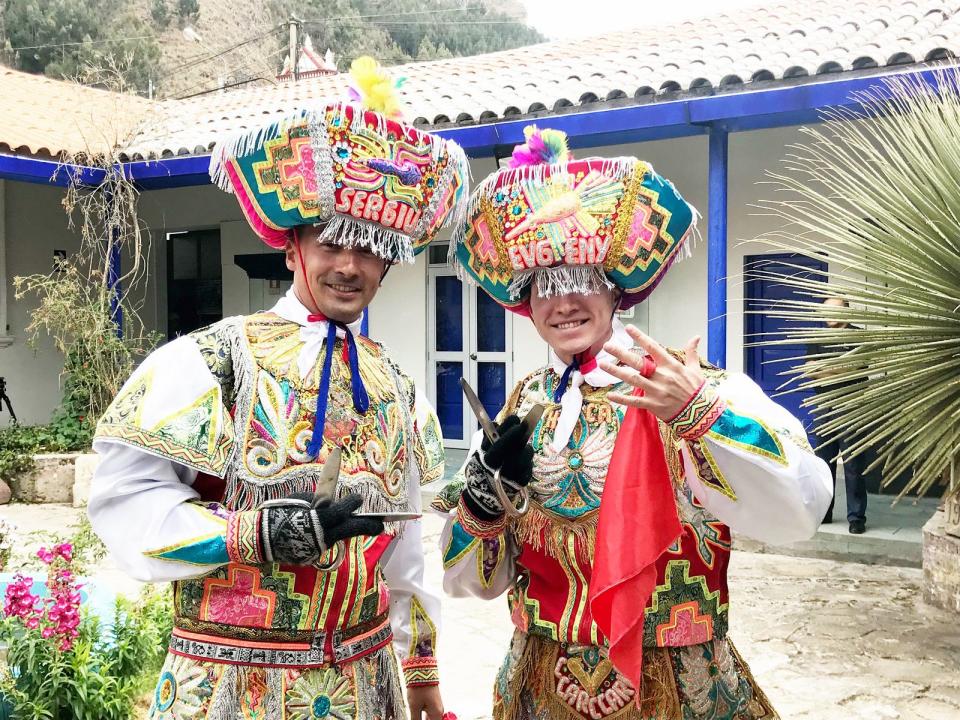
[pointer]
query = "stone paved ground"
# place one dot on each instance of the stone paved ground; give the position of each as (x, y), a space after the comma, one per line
(827, 640)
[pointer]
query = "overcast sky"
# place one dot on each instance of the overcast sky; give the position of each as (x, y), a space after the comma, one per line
(574, 18)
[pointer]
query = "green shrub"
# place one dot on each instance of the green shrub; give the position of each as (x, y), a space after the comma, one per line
(19, 443)
(101, 673)
(102, 676)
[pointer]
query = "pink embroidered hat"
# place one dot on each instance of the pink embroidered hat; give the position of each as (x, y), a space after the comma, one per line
(571, 225)
(354, 167)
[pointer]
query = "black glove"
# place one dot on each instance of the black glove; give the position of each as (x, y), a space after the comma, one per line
(512, 455)
(292, 532)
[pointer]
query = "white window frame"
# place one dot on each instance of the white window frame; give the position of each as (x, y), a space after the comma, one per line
(469, 356)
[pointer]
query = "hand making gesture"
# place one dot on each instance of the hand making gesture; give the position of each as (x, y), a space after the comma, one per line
(667, 383)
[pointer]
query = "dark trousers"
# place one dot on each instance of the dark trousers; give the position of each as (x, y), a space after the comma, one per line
(854, 479)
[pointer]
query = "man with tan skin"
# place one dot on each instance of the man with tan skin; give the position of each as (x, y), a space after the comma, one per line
(853, 476)
(610, 528)
(292, 599)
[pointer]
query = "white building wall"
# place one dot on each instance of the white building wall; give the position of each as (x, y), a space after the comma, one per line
(35, 226)
(5, 338)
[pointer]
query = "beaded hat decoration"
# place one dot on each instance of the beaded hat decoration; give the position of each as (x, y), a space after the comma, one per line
(574, 226)
(353, 167)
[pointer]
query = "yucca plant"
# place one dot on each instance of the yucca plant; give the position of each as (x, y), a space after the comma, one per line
(876, 188)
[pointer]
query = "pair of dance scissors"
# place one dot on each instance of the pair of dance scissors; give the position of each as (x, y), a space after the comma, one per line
(325, 491)
(519, 506)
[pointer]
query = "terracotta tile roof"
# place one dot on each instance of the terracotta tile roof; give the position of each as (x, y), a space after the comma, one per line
(742, 50)
(727, 52)
(45, 117)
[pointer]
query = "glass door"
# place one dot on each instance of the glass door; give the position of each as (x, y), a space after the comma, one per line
(470, 337)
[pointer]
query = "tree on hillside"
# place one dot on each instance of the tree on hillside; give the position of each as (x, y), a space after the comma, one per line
(76, 38)
(65, 38)
(408, 30)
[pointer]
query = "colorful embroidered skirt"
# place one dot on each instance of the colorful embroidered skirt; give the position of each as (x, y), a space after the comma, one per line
(545, 680)
(364, 689)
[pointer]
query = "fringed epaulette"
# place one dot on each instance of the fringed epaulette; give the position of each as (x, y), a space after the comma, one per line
(553, 535)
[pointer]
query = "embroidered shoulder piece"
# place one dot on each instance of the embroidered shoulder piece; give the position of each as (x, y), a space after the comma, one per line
(173, 406)
(428, 447)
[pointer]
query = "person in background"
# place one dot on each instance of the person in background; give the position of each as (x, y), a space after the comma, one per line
(854, 478)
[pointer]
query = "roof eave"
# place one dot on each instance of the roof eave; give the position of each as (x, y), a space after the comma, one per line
(620, 121)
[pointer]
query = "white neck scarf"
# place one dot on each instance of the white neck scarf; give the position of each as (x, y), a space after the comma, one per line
(572, 400)
(313, 334)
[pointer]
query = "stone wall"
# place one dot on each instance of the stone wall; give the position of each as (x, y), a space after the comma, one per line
(941, 564)
(56, 478)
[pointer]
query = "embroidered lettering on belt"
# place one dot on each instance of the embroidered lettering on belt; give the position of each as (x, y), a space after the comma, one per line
(596, 705)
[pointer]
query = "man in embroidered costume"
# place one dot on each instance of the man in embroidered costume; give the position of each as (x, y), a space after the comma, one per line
(211, 452)
(642, 463)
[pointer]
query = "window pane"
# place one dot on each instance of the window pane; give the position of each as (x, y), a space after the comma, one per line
(491, 325)
(492, 386)
(450, 399)
(449, 304)
(438, 254)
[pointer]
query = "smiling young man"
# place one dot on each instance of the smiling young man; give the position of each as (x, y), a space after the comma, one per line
(640, 466)
(287, 603)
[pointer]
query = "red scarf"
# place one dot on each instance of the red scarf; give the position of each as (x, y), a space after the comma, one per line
(638, 522)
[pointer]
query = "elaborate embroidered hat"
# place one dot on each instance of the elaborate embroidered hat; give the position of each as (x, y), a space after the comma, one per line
(573, 225)
(354, 167)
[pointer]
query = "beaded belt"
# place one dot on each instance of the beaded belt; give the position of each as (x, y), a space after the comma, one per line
(298, 649)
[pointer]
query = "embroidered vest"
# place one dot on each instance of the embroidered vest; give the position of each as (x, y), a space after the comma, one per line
(252, 448)
(557, 536)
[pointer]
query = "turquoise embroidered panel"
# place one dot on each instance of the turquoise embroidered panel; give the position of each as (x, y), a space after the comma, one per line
(461, 543)
(205, 551)
(749, 434)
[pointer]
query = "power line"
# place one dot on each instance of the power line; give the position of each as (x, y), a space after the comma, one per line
(224, 87)
(81, 42)
(378, 15)
(236, 46)
(247, 66)
(419, 22)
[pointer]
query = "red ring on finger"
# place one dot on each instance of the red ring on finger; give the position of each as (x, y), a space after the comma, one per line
(649, 367)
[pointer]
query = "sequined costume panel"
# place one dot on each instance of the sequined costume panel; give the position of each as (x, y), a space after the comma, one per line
(544, 680)
(190, 689)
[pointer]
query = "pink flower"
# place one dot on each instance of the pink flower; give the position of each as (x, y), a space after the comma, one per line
(45, 555)
(32, 623)
(46, 632)
(64, 550)
(19, 602)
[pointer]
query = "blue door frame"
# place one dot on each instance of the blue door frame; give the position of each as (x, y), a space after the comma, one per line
(770, 365)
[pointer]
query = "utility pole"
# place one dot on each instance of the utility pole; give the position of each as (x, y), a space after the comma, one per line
(295, 47)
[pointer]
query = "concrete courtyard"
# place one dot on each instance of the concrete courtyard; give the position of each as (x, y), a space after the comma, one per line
(827, 640)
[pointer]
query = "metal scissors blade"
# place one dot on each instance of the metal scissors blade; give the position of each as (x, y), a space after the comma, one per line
(486, 424)
(389, 516)
(326, 487)
(532, 419)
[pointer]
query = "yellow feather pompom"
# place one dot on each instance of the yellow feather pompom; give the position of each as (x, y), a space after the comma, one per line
(375, 87)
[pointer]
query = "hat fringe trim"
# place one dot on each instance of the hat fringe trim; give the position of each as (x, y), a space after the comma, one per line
(562, 280)
(239, 144)
(389, 245)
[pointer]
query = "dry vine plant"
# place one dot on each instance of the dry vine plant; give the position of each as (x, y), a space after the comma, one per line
(79, 305)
